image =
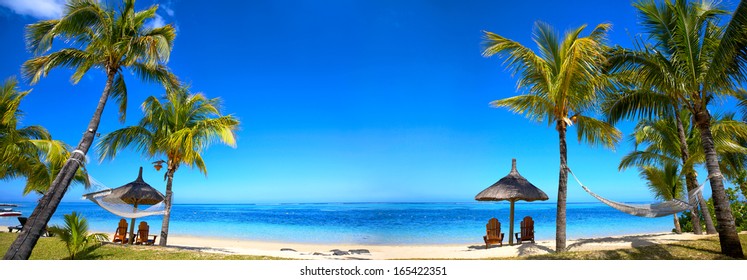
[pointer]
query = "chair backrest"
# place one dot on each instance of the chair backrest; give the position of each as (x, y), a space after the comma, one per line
(527, 228)
(23, 220)
(493, 228)
(121, 233)
(142, 232)
(121, 228)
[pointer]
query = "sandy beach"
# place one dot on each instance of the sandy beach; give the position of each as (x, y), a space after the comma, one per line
(382, 252)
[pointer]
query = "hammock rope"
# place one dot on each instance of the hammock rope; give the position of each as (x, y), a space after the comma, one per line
(653, 210)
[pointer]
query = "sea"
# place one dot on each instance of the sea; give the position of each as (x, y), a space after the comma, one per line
(367, 223)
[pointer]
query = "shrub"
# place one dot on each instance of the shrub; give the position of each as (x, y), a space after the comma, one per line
(75, 234)
(738, 210)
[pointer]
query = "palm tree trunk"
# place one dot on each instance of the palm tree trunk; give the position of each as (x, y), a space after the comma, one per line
(167, 215)
(690, 180)
(727, 230)
(710, 228)
(26, 240)
(562, 190)
(677, 228)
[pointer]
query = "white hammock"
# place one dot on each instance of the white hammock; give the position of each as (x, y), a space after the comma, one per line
(646, 210)
(118, 207)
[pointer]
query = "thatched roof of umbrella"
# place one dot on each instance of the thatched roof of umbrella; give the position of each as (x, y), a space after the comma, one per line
(137, 192)
(513, 187)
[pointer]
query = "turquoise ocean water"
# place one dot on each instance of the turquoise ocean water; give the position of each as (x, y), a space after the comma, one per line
(368, 223)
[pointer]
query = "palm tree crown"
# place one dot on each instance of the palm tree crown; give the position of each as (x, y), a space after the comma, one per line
(30, 151)
(180, 129)
(102, 39)
(562, 80)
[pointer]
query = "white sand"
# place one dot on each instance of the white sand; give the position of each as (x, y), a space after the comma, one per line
(453, 251)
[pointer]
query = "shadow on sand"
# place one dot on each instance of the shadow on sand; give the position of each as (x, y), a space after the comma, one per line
(524, 249)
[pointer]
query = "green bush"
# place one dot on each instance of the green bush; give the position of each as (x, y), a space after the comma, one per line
(75, 234)
(738, 210)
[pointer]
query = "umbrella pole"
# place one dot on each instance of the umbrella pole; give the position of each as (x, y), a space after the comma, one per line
(511, 226)
(132, 227)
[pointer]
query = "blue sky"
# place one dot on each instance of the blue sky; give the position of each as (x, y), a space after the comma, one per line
(340, 101)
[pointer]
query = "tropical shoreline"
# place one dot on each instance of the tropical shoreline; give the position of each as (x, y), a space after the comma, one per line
(441, 251)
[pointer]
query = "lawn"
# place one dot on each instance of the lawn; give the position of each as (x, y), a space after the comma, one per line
(51, 248)
(703, 249)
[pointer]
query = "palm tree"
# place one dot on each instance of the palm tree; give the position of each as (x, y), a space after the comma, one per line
(561, 81)
(627, 101)
(661, 146)
(666, 183)
(28, 152)
(704, 60)
(105, 39)
(75, 234)
(181, 128)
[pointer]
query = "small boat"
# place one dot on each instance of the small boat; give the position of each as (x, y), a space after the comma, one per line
(10, 213)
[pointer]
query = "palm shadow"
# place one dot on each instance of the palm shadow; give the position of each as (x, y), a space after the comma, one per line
(524, 249)
(528, 249)
(635, 241)
(88, 253)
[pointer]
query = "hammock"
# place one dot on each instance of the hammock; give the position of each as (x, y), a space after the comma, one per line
(118, 207)
(654, 210)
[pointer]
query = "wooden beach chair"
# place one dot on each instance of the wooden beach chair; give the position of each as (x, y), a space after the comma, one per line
(120, 235)
(143, 236)
(527, 230)
(494, 235)
(23, 221)
(18, 228)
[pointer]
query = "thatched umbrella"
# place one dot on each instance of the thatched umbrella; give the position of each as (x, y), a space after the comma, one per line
(513, 187)
(137, 192)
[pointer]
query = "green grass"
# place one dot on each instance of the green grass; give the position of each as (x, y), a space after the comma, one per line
(703, 249)
(51, 248)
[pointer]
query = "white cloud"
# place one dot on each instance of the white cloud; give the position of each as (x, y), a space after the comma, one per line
(169, 11)
(155, 22)
(166, 7)
(43, 9)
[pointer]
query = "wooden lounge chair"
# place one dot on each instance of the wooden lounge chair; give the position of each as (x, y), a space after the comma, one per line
(18, 228)
(23, 220)
(527, 230)
(494, 235)
(142, 235)
(120, 235)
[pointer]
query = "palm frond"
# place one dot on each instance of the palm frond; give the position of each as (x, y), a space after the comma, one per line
(39, 67)
(113, 142)
(636, 103)
(596, 132)
(643, 158)
(155, 73)
(535, 72)
(119, 94)
(730, 57)
(536, 108)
